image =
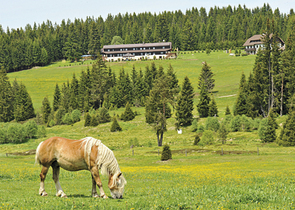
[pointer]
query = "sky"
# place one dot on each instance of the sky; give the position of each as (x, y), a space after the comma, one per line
(18, 13)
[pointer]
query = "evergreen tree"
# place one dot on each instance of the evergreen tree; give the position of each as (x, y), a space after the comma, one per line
(213, 111)
(115, 125)
(241, 106)
(128, 114)
(185, 104)
(94, 121)
(203, 105)
(222, 133)
(6, 98)
(104, 116)
(45, 109)
(87, 120)
(166, 153)
(56, 98)
(287, 136)
(270, 133)
(227, 111)
(206, 78)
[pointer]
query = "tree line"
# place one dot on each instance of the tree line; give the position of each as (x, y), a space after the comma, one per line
(196, 29)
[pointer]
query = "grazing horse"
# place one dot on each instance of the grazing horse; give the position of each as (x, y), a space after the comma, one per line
(74, 155)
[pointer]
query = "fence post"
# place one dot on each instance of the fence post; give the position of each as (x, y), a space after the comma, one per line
(133, 152)
(221, 151)
(185, 153)
(257, 151)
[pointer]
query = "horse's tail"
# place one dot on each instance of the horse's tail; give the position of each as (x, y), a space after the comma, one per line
(37, 154)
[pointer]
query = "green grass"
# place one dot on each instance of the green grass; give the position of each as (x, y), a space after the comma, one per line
(196, 178)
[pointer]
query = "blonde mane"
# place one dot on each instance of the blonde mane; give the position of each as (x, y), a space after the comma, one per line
(105, 160)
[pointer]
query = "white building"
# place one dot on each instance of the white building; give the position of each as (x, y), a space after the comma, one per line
(136, 51)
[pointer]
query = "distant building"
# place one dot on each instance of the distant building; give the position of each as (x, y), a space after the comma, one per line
(136, 51)
(255, 42)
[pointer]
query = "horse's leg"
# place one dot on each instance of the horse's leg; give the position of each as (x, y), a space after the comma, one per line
(95, 175)
(55, 176)
(94, 192)
(43, 173)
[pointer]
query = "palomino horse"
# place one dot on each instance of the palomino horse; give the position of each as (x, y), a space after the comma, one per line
(74, 155)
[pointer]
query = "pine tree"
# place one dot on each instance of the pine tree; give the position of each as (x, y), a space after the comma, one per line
(104, 116)
(56, 98)
(206, 78)
(6, 98)
(213, 111)
(166, 153)
(242, 106)
(203, 105)
(94, 121)
(270, 133)
(115, 125)
(222, 133)
(45, 109)
(227, 111)
(128, 114)
(87, 120)
(185, 104)
(287, 136)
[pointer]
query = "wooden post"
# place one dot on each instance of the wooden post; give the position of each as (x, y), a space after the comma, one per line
(221, 151)
(158, 152)
(6, 154)
(133, 152)
(185, 153)
(257, 151)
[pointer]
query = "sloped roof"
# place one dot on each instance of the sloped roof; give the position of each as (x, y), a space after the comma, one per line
(158, 44)
(257, 39)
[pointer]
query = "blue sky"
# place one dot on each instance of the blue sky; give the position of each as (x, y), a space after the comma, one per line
(19, 13)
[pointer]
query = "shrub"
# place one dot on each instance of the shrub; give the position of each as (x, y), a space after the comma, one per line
(76, 115)
(104, 115)
(246, 123)
(87, 119)
(212, 124)
(31, 129)
(3, 138)
(194, 125)
(128, 113)
(207, 138)
(67, 119)
(15, 133)
(94, 121)
(166, 153)
(222, 133)
(41, 131)
(235, 123)
(59, 115)
(201, 129)
(115, 125)
(262, 129)
(197, 140)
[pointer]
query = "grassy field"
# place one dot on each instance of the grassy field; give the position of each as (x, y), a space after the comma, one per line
(249, 175)
(40, 82)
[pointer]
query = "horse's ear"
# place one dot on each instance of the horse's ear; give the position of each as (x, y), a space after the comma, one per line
(119, 175)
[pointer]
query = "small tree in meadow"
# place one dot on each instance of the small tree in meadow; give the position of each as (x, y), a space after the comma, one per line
(227, 111)
(207, 138)
(87, 119)
(213, 111)
(212, 124)
(166, 153)
(195, 125)
(94, 121)
(128, 114)
(197, 140)
(115, 125)
(222, 133)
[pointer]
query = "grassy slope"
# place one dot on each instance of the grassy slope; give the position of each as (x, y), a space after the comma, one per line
(203, 179)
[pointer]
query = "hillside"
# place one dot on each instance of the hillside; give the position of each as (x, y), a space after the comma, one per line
(40, 82)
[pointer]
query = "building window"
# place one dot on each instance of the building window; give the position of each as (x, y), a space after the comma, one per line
(108, 50)
(144, 48)
(153, 48)
(163, 47)
(140, 48)
(133, 48)
(120, 49)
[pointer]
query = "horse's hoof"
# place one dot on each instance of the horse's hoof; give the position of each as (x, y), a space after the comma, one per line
(104, 197)
(64, 196)
(44, 194)
(95, 196)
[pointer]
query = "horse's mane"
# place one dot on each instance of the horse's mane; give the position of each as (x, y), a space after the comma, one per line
(105, 160)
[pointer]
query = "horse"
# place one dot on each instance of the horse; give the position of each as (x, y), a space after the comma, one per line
(74, 155)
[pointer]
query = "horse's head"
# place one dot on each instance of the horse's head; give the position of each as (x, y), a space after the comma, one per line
(116, 185)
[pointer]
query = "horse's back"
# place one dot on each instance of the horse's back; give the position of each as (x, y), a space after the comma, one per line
(68, 153)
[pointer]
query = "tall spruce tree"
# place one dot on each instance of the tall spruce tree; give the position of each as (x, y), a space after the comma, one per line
(270, 133)
(287, 136)
(241, 106)
(206, 78)
(203, 105)
(6, 98)
(56, 98)
(185, 104)
(45, 109)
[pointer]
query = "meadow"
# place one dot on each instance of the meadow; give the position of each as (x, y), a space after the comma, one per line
(249, 175)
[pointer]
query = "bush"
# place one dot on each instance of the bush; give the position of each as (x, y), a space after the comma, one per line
(3, 138)
(67, 119)
(207, 138)
(87, 119)
(262, 129)
(235, 123)
(51, 123)
(94, 121)
(212, 124)
(15, 133)
(197, 140)
(104, 115)
(166, 153)
(246, 123)
(115, 125)
(194, 125)
(59, 115)
(41, 131)
(201, 129)
(128, 113)
(31, 129)
(76, 115)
